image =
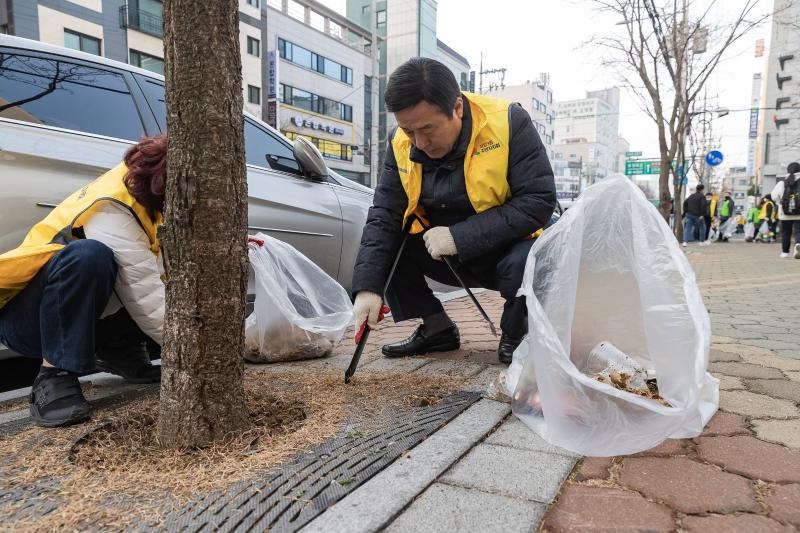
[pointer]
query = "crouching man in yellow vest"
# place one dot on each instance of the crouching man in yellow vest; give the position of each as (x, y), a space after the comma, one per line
(475, 170)
(84, 292)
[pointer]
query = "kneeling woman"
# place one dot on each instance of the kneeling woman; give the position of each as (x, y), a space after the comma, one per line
(84, 291)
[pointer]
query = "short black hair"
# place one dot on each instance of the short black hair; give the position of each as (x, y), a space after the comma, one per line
(700, 187)
(793, 168)
(418, 79)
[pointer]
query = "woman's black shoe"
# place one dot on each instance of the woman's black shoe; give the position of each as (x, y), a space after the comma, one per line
(420, 343)
(131, 361)
(505, 350)
(56, 399)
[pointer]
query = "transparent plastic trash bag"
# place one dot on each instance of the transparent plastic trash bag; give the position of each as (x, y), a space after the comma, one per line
(611, 271)
(300, 312)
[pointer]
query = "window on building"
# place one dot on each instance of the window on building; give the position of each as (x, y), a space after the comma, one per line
(308, 59)
(51, 92)
(146, 61)
(381, 20)
(254, 94)
(79, 41)
(276, 4)
(311, 102)
(253, 46)
(549, 97)
(296, 10)
(543, 108)
(329, 149)
(317, 21)
(254, 3)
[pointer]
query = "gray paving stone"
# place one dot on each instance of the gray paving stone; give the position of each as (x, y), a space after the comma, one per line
(456, 369)
(405, 364)
(716, 356)
(514, 433)
(777, 388)
(745, 370)
(786, 432)
(756, 405)
(482, 381)
(445, 508)
(531, 475)
(774, 345)
(371, 506)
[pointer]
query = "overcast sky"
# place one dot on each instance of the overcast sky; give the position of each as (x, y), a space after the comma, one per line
(532, 36)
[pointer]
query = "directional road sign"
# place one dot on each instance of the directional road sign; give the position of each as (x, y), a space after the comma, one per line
(714, 158)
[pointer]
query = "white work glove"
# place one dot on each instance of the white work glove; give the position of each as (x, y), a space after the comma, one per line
(367, 307)
(439, 241)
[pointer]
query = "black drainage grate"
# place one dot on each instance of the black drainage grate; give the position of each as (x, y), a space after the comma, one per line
(288, 499)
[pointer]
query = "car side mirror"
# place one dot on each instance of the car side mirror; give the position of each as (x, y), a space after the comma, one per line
(310, 159)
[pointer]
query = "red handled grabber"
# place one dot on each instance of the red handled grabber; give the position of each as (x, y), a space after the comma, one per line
(365, 329)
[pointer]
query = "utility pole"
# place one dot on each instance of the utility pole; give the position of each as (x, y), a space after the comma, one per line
(480, 76)
(375, 86)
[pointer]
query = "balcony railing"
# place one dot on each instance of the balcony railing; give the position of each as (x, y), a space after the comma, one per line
(143, 21)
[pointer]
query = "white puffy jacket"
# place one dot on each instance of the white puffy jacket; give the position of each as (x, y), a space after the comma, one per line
(138, 287)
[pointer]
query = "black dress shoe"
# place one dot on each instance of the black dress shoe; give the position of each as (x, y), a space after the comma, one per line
(505, 350)
(420, 343)
(128, 360)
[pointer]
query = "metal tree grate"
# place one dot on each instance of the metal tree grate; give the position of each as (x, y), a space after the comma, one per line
(288, 499)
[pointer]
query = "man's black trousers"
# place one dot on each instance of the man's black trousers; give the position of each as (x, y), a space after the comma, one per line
(409, 296)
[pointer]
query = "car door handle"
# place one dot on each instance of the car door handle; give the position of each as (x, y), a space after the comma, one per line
(47, 205)
(294, 232)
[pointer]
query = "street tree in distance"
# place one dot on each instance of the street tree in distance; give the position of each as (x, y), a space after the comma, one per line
(664, 53)
(204, 238)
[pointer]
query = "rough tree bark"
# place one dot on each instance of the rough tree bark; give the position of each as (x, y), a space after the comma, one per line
(205, 231)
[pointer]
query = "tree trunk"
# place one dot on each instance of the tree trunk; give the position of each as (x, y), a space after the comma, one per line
(205, 233)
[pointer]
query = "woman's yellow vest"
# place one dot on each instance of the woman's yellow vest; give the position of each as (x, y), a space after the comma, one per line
(20, 265)
(485, 162)
(763, 213)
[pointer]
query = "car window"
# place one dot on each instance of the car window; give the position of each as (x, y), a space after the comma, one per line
(154, 92)
(259, 143)
(58, 93)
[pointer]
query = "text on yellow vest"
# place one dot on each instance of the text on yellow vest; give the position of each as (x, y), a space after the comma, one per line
(485, 161)
(19, 266)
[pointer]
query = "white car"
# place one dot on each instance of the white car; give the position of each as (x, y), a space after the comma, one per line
(68, 116)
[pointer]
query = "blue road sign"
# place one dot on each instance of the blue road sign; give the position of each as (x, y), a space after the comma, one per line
(714, 158)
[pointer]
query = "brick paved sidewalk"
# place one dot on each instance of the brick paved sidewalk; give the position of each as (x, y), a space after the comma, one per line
(743, 473)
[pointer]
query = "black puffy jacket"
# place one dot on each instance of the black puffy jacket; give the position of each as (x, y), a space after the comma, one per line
(533, 199)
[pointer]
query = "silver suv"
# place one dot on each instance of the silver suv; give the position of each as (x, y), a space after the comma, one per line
(67, 116)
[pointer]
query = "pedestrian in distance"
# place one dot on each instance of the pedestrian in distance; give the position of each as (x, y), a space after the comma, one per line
(710, 214)
(83, 292)
(753, 217)
(695, 208)
(787, 195)
(769, 214)
(725, 210)
(474, 170)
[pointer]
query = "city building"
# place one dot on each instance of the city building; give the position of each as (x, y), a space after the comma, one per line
(755, 113)
(305, 68)
(408, 29)
(623, 147)
(737, 180)
(781, 135)
(588, 130)
(537, 99)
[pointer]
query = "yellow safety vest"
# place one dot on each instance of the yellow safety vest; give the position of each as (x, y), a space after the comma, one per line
(485, 161)
(712, 211)
(763, 213)
(19, 266)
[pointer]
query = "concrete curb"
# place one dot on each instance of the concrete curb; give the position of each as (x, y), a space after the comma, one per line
(375, 504)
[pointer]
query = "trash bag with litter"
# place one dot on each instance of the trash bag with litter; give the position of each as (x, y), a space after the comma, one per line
(616, 355)
(300, 312)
